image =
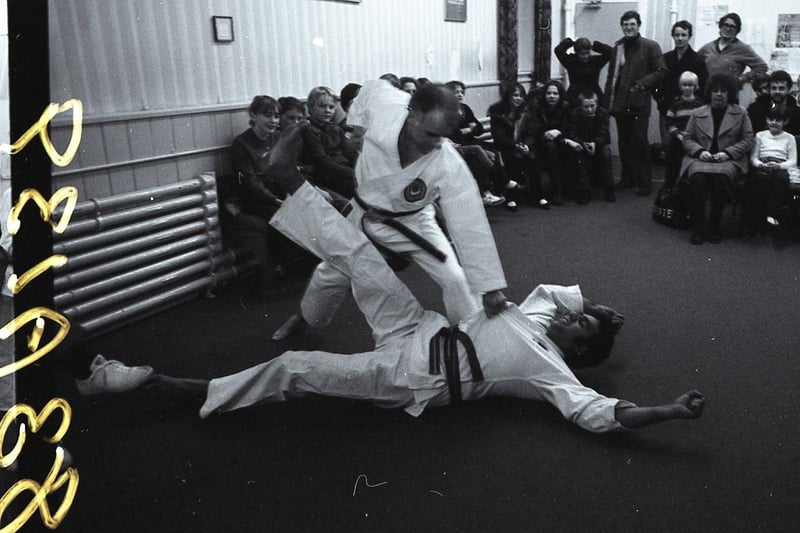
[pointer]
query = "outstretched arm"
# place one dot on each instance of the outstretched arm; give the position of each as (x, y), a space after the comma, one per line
(688, 405)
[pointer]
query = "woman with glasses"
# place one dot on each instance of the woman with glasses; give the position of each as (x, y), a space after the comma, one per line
(728, 55)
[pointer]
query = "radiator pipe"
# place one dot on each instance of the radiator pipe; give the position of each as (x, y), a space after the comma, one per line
(103, 222)
(154, 304)
(80, 261)
(71, 295)
(81, 277)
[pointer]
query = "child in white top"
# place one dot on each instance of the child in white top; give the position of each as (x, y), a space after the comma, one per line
(773, 164)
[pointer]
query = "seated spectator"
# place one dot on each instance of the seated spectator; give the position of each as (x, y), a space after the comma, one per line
(677, 117)
(779, 83)
(252, 197)
(583, 68)
(773, 165)
(542, 129)
(328, 157)
(587, 136)
(408, 85)
(354, 134)
(293, 112)
(504, 121)
(484, 164)
(717, 142)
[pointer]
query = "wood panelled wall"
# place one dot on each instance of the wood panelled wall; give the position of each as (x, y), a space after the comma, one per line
(162, 100)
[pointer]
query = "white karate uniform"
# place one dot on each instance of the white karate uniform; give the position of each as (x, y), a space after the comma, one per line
(515, 354)
(440, 175)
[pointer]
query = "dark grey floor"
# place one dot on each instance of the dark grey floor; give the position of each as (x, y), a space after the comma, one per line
(720, 318)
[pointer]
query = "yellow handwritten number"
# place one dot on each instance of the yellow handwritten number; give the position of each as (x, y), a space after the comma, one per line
(53, 481)
(40, 128)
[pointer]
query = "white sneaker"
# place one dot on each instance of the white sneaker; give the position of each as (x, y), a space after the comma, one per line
(492, 200)
(512, 184)
(112, 376)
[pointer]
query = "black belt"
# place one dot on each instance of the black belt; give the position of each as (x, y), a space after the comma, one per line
(445, 341)
(396, 261)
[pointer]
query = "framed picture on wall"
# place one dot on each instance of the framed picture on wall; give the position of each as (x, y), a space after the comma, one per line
(455, 10)
(223, 29)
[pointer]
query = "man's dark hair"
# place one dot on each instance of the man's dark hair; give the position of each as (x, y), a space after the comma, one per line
(781, 75)
(582, 44)
(434, 96)
(597, 348)
(586, 94)
(631, 15)
(721, 80)
(347, 94)
(683, 24)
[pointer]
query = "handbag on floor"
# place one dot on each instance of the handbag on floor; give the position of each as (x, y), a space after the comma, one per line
(671, 207)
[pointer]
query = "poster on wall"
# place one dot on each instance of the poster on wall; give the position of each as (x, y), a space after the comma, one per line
(455, 10)
(786, 54)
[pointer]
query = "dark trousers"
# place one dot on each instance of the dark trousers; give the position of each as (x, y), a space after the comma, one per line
(549, 157)
(766, 191)
(634, 150)
(712, 188)
(597, 165)
(675, 155)
(522, 168)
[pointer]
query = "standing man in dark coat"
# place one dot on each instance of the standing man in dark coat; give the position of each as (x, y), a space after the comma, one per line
(636, 68)
(679, 60)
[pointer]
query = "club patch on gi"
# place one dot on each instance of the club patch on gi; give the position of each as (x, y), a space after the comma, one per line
(415, 191)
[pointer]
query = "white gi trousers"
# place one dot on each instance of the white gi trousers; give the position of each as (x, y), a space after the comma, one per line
(387, 304)
(329, 286)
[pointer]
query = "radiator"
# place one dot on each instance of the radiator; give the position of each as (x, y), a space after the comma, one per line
(132, 255)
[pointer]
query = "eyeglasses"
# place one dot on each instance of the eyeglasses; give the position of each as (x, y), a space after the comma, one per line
(728, 26)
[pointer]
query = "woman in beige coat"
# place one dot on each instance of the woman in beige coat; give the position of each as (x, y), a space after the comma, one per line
(717, 142)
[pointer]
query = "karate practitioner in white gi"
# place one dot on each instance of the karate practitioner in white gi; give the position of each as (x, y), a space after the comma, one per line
(421, 362)
(406, 165)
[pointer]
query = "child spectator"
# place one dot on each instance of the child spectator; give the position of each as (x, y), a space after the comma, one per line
(251, 198)
(677, 117)
(583, 68)
(773, 165)
(293, 111)
(587, 136)
(542, 130)
(326, 152)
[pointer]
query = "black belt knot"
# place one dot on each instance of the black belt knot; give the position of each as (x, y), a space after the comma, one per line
(396, 260)
(445, 343)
